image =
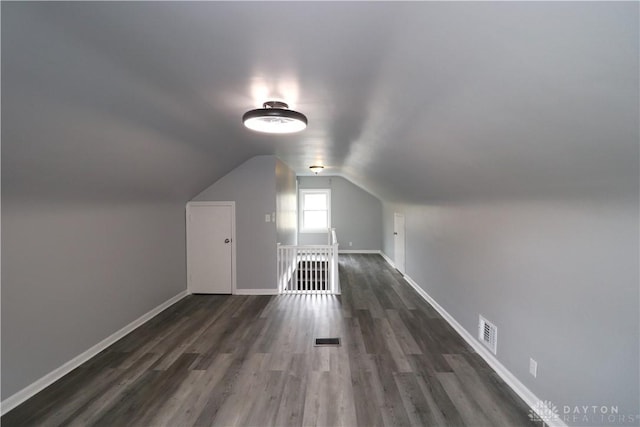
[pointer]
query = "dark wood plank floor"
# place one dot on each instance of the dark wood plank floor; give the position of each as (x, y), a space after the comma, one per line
(250, 361)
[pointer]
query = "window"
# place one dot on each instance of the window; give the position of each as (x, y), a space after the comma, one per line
(315, 210)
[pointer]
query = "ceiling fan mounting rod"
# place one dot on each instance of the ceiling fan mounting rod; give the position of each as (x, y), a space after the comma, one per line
(275, 104)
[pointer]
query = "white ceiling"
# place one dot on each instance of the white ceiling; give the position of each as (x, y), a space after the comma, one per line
(415, 102)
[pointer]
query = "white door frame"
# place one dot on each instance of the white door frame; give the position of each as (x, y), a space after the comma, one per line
(400, 268)
(232, 205)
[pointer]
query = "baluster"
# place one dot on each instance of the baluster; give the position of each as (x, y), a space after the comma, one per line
(327, 269)
(285, 261)
(310, 281)
(283, 273)
(320, 256)
(330, 263)
(306, 270)
(313, 271)
(324, 270)
(300, 270)
(303, 273)
(289, 268)
(334, 254)
(321, 269)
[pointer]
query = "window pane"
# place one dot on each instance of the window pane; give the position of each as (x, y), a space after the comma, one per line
(315, 220)
(315, 202)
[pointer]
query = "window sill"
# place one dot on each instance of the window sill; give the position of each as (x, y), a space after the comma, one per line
(320, 231)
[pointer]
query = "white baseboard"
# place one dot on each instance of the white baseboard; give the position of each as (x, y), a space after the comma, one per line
(16, 399)
(510, 379)
(386, 258)
(358, 251)
(256, 292)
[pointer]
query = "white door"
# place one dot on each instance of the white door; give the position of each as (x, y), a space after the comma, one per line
(210, 247)
(398, 241)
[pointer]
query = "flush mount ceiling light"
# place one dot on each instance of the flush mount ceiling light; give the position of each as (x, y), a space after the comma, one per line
(316, 169)
(275, 117)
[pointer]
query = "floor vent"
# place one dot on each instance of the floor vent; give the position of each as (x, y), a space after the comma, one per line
(488, 334)
(327, 342)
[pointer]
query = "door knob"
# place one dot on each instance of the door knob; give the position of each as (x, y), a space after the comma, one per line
(227, 240)
(395, 234)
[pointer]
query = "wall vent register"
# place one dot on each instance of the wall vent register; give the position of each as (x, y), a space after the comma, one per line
(488, 334)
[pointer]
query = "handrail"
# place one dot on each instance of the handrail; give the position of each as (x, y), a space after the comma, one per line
(303, 246)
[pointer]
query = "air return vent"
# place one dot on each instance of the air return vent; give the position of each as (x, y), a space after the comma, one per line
(488, 334)
(327, 342)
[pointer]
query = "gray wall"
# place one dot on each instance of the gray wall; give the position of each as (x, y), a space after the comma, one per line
(74, 273)
(558, 278)
(355, 214)
(286, 204)
(252, 185)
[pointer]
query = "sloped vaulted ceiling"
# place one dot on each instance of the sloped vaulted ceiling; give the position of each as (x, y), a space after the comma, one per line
(413, 101)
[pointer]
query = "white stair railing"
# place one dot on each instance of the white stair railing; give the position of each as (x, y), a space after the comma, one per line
(309, 269)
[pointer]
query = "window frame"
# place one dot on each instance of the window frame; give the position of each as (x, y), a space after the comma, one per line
(301, 193)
